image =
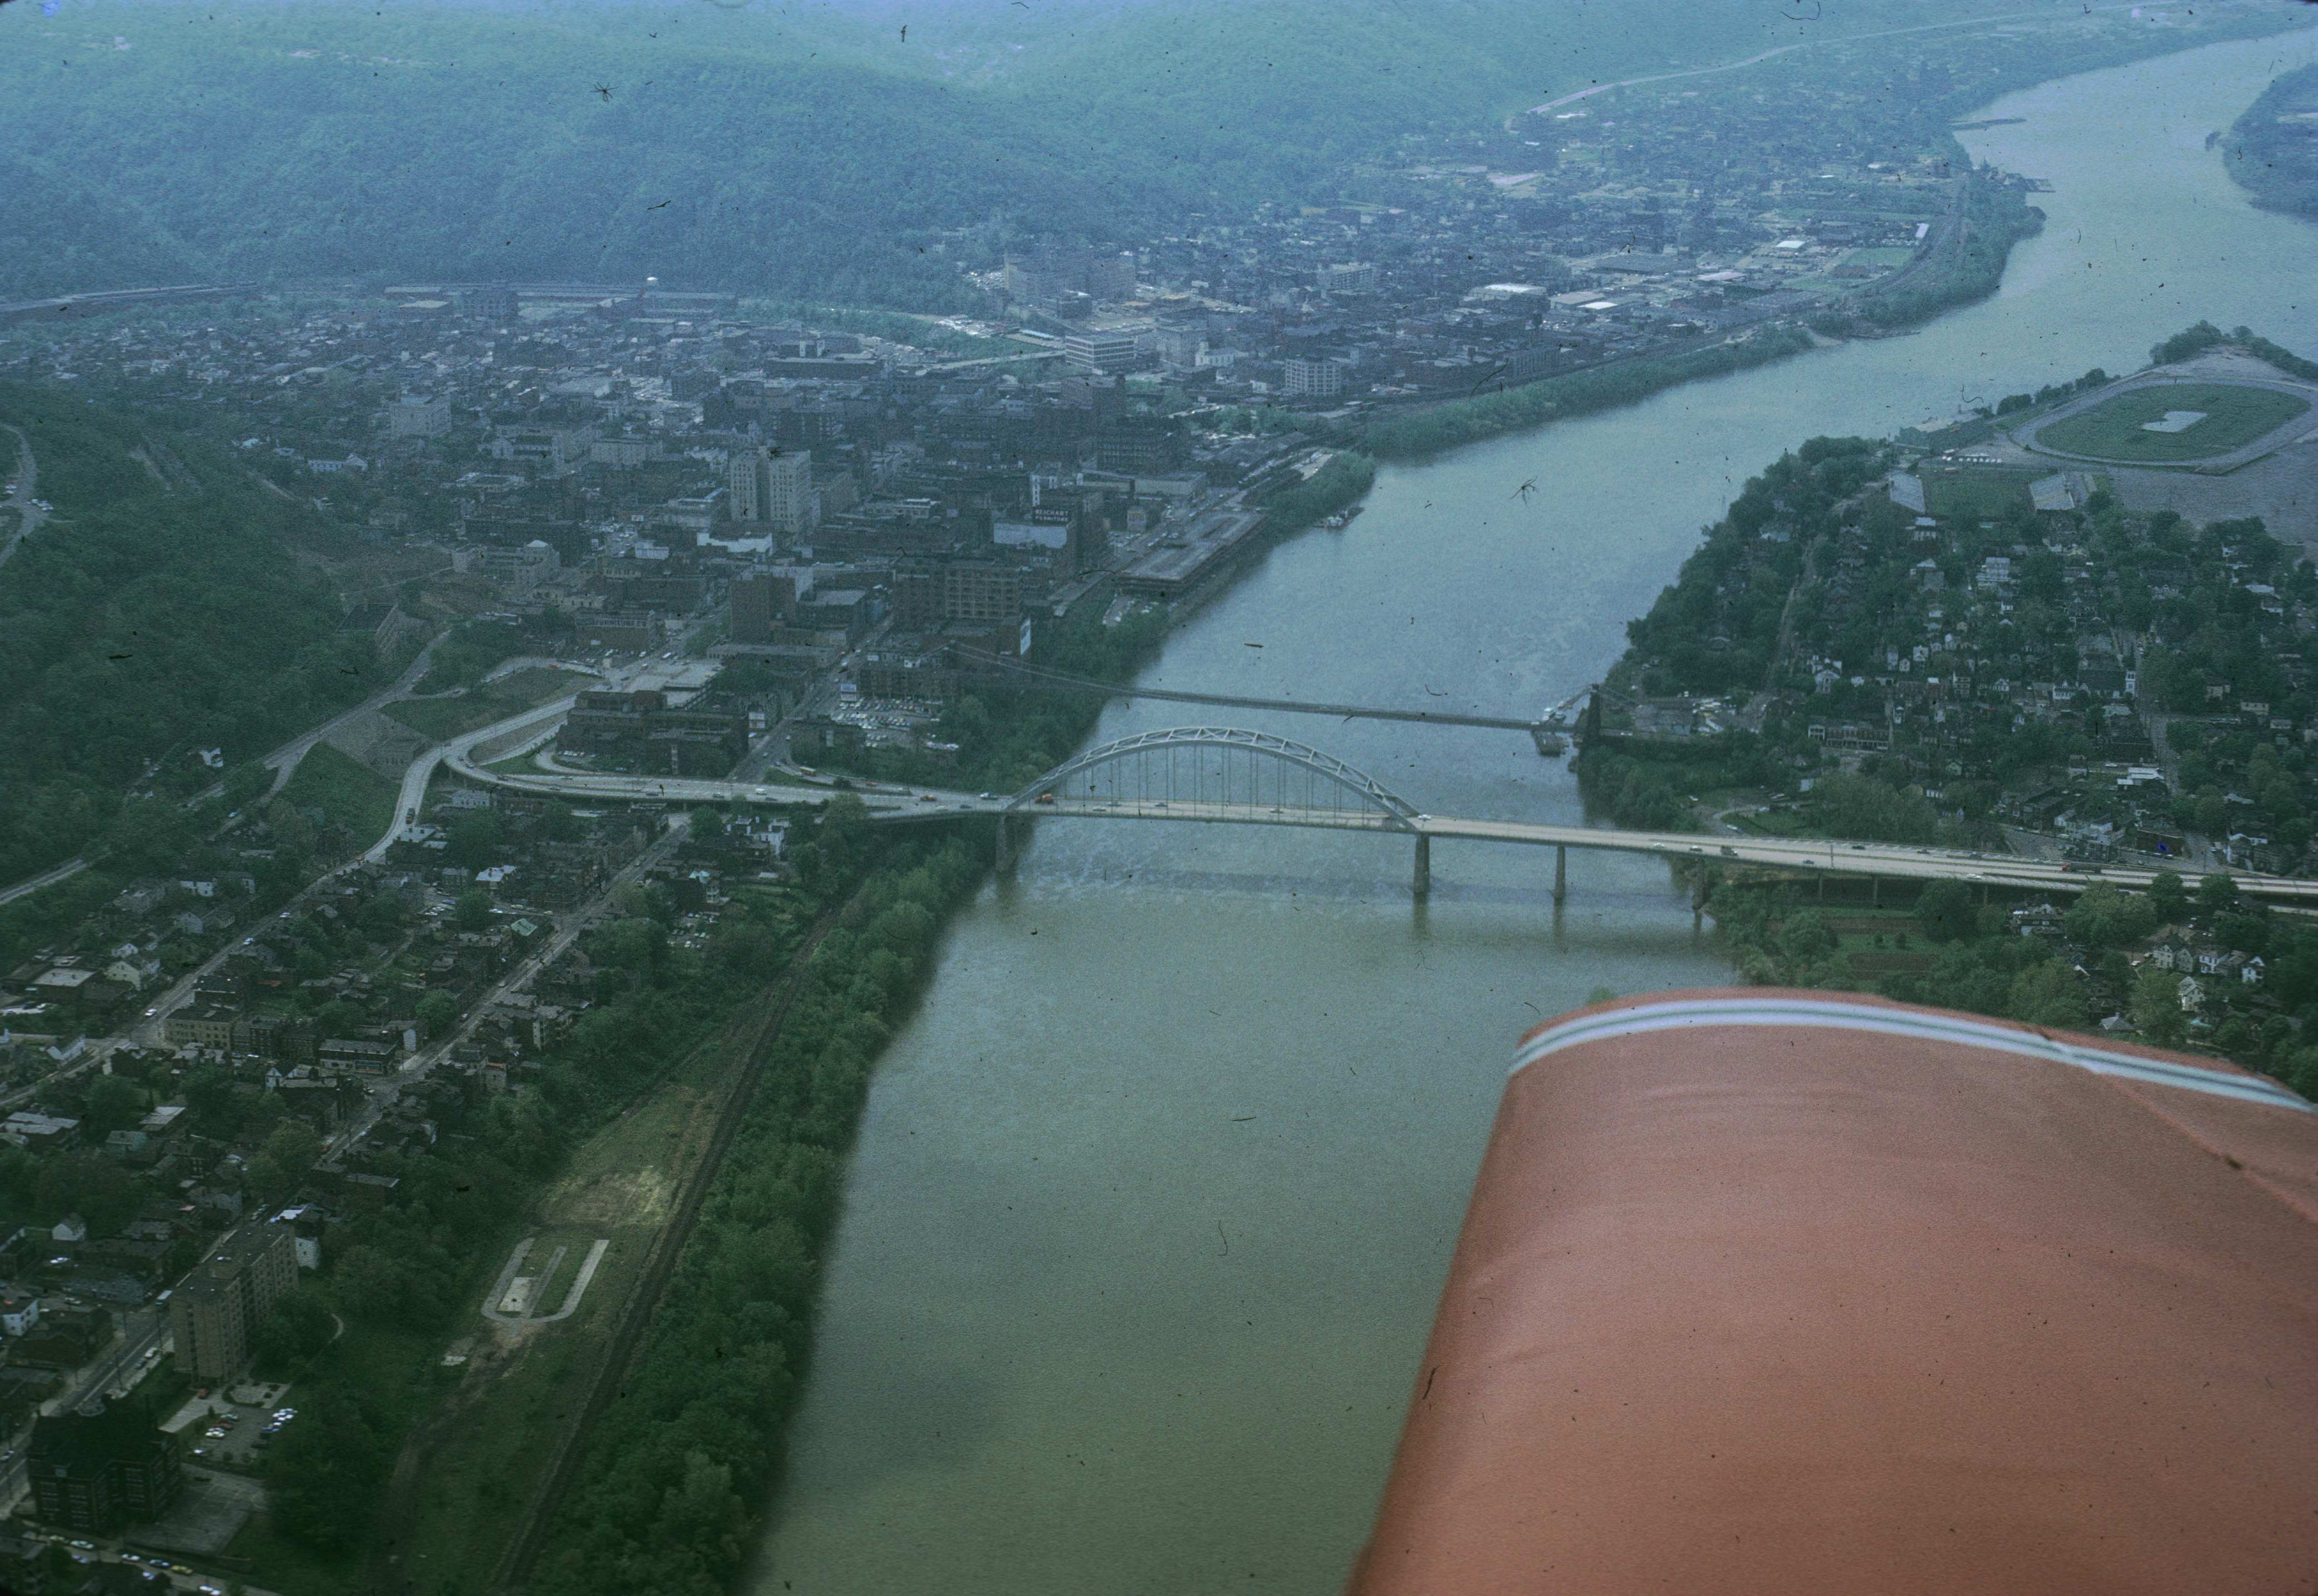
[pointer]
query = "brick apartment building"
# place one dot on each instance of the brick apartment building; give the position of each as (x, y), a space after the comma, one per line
(220, 1303)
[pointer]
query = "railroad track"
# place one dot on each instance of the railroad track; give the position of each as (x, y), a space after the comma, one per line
(516, 1565)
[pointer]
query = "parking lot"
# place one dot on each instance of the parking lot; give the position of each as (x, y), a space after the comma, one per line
(235, 1432)
(206, 1515)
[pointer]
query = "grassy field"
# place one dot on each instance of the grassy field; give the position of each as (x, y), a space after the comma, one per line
(524, 764)
(348, 793)
(2234, 415)
(1975, 493)
(283, 1564)
(485, 1451)
(445, 718)
(1779, 822)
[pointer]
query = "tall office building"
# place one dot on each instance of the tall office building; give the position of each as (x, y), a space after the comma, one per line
(773, 488)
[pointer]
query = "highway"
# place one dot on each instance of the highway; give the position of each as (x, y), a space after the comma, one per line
(412, 797)
(29, 513)
(33, 883)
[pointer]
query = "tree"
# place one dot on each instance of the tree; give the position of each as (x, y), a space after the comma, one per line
(1861, 806)
(210, 1094)
(1944, 908)
(380, 917)
(2107, 917)
(473, 912)
(323, 1476)
(2242, 933)
(337, 1017)
(292, 1150)
(2156, 1007)
(19, 1175)
(439, 1011)
(2046, 993)
(638, 947)
(113, 1105)
(296, 1327)
(2216, 893)
(2167, 896)
(245, 782)
(475, 841)
(90, 1184)
(1805, 937)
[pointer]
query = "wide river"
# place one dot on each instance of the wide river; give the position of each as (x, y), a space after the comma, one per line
(1154, 1194)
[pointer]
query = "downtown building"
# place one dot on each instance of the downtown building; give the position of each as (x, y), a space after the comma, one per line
(773, 488)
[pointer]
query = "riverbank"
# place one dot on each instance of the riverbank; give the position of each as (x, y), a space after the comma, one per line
(664, 1493)
(1963, 261)
(1461, 422)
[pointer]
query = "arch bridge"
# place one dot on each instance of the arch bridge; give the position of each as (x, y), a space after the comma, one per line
(1252, 778)
(1220, 773)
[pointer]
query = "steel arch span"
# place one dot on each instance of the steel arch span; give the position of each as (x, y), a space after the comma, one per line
(1218, 768)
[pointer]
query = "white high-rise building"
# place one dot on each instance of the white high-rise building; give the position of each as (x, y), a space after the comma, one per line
(790, 502)
(744, 490)
(773, 487)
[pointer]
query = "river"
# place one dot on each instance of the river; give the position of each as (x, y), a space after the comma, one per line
(1154, 1194)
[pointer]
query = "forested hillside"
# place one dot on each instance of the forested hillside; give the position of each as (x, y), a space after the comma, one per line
(155, 614)
(799, 149)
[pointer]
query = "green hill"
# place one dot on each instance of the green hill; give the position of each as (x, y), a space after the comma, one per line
(157, 613)
(800, 149)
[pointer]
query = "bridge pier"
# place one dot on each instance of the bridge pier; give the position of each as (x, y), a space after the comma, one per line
(1422, 883)
(1005, 846)
(1560, 873)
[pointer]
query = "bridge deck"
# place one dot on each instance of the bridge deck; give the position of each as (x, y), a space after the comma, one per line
(1881, 860)
(1017, 675)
